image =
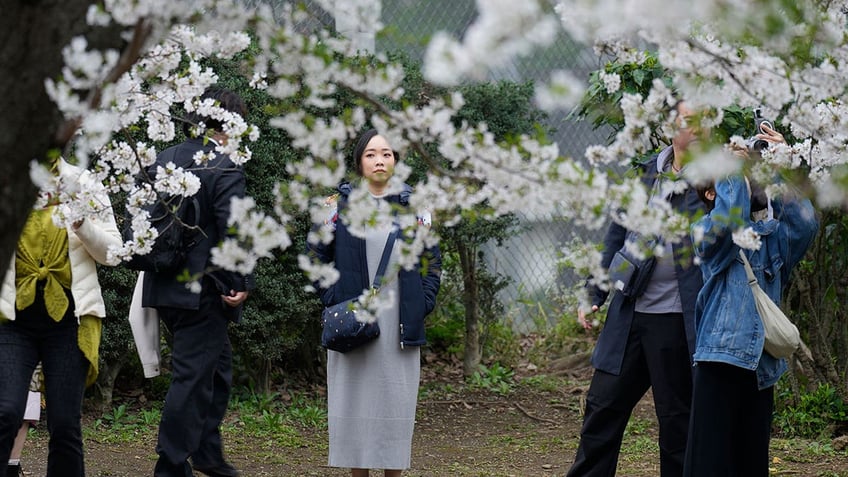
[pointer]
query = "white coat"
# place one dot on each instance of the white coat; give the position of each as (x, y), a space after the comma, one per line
(145, 329)
(87, 244)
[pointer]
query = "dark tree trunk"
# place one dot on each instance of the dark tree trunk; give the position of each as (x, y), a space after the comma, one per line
(104, 387)
(32, 35)
(471, 300)
(261, 373)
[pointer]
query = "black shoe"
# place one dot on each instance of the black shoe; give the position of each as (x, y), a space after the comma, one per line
(220, 470)
(14, 470)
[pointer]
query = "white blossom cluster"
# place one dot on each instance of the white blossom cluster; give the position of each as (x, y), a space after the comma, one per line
(747, 238)
(370, 304)
(503, 30)
(166, 73)
(642, 117)
(705, 45)
(708, 48)
(258, 235)
(612, 82)
(563, 91)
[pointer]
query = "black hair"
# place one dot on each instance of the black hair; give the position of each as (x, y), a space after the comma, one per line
(759, 200)
(702, 194)
(223, 98)
(359, 149)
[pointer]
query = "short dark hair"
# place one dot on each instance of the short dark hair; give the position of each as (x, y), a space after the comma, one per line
(359, 149)
(759, 199)
(224, 98)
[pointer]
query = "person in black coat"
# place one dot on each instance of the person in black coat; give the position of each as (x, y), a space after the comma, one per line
(647, 341)
(201, 359)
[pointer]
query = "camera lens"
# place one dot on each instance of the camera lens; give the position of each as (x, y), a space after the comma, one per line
(759, 145)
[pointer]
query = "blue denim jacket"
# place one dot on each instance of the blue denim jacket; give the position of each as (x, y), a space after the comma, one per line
(729, 330)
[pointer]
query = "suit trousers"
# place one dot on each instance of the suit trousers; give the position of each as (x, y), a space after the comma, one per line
(657, 356)
(32, 337)
(201, 380)
(731, 423)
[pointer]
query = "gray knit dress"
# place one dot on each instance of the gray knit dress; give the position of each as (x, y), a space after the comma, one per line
(372, 391)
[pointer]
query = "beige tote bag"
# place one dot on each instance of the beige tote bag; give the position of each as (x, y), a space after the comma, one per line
(782, 336)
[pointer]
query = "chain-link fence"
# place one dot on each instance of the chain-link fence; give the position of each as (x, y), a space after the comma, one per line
(530, 258)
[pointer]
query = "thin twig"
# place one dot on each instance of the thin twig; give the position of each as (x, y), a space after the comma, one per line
(531, 416)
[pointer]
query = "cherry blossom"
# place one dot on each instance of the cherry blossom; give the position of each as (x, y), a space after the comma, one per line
(719, 53)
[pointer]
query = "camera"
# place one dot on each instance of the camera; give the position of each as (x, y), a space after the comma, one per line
(755, 144)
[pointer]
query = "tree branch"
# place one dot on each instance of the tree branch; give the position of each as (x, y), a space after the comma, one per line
(128, 58)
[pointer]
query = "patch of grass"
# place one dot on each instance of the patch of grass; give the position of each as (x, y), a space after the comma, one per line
(496, 378)
(122, 426)
(268, 416)
(544, 383)
(513, 443)
(637, 447)
(258, 415)
(437, 390)
(249, 401)
(150, 417)
(637, 426)
(557, 444)
(270, 426)
(117, 418)
(805, 451)
(791, 450)
(306, 412)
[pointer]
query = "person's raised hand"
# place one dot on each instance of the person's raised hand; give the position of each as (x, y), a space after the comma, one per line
(770, 135)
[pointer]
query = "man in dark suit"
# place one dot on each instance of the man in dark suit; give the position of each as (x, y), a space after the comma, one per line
(201, 358)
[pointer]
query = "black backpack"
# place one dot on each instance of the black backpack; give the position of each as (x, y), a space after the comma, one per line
(177, 220)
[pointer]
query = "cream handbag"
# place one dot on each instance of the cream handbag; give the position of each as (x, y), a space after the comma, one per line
(782, 336)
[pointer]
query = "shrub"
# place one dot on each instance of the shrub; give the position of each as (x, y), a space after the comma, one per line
(816, 414)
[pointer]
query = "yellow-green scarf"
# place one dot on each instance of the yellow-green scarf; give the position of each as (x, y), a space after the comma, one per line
(43, 255)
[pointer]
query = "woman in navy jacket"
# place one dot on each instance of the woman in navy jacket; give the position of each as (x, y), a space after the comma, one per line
(372, 390)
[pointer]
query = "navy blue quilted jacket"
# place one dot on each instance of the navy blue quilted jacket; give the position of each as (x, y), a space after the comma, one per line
(418, 287)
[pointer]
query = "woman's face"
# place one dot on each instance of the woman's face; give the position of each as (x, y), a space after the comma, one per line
(691, 132)
(377, 161)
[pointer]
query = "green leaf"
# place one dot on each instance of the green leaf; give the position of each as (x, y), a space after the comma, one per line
(639, 76)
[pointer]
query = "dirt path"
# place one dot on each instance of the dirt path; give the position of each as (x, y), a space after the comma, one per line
(528, 433)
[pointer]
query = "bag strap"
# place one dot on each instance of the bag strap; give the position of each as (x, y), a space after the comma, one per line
(752, 280)
(384, 260)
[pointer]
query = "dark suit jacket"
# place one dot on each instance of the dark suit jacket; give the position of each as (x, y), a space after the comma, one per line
(220, 180)
(609, 350)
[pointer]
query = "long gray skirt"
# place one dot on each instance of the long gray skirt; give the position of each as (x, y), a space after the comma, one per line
(372, 391)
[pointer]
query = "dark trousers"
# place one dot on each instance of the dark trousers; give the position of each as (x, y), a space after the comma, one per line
(32, 337)
(731, 423)
(201, 377)
(657, 356)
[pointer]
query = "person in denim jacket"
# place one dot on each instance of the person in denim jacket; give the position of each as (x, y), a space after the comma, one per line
(733, 396)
